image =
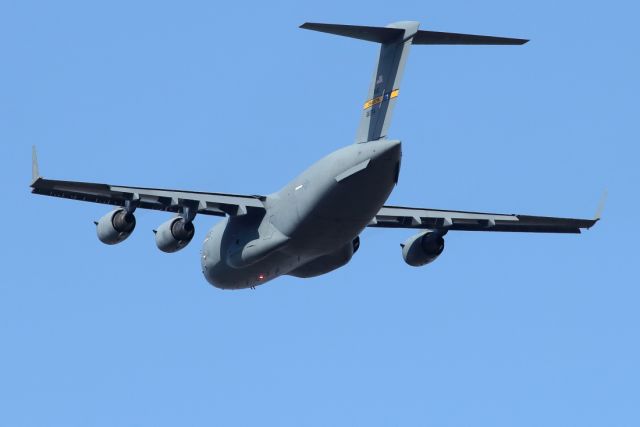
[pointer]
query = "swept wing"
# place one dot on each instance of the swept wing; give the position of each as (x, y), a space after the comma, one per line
(219, 204)
(437, 219)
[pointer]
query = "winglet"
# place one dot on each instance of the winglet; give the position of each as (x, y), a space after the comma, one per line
(601, 205)
(35, 172)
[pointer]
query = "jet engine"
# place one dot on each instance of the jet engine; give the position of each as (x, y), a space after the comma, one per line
(174, 234)
(115, 226)
(422, 248)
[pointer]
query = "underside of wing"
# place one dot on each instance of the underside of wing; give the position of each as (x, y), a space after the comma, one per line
(436, 219)
(218, 204)
(116, 226)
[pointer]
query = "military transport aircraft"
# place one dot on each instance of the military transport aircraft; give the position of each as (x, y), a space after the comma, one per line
(312, 225)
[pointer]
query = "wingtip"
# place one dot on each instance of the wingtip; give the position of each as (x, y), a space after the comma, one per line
(35, 170)
(601, 205)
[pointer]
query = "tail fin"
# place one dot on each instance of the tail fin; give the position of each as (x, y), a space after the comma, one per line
(384, 89)
(396, 40)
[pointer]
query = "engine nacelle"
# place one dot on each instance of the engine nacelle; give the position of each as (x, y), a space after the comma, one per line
(174, 234)
(115, 226)
(422, 248)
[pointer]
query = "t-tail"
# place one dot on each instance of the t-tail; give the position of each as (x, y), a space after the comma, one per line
(396, 40)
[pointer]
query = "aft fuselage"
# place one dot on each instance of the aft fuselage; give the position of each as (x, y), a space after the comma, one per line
(309, 227)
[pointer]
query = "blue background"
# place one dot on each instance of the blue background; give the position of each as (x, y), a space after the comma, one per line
(502, 330)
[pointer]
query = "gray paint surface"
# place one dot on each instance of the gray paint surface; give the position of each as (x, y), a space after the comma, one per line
(311, 226)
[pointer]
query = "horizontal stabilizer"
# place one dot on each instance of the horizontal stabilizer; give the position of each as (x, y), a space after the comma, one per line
(389, 35)
(396, 40)
(371, 34)
(435, 37)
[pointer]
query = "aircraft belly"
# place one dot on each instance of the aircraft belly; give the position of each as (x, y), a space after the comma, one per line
(316, 215)
(220, 244)
(337, 207)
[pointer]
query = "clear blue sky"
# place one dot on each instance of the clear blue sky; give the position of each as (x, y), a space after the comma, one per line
(502, 330)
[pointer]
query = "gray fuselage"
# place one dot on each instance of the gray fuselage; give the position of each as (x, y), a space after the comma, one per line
(308, 227)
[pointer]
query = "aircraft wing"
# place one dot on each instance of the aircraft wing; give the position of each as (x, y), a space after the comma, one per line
(436, 219)
(218, 204)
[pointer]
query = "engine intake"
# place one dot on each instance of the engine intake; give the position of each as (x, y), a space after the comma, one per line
(174, 234)
(115, 226)
(422, 248)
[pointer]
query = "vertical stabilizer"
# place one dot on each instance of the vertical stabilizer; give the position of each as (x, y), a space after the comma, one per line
(396, 40)
(385, 84)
